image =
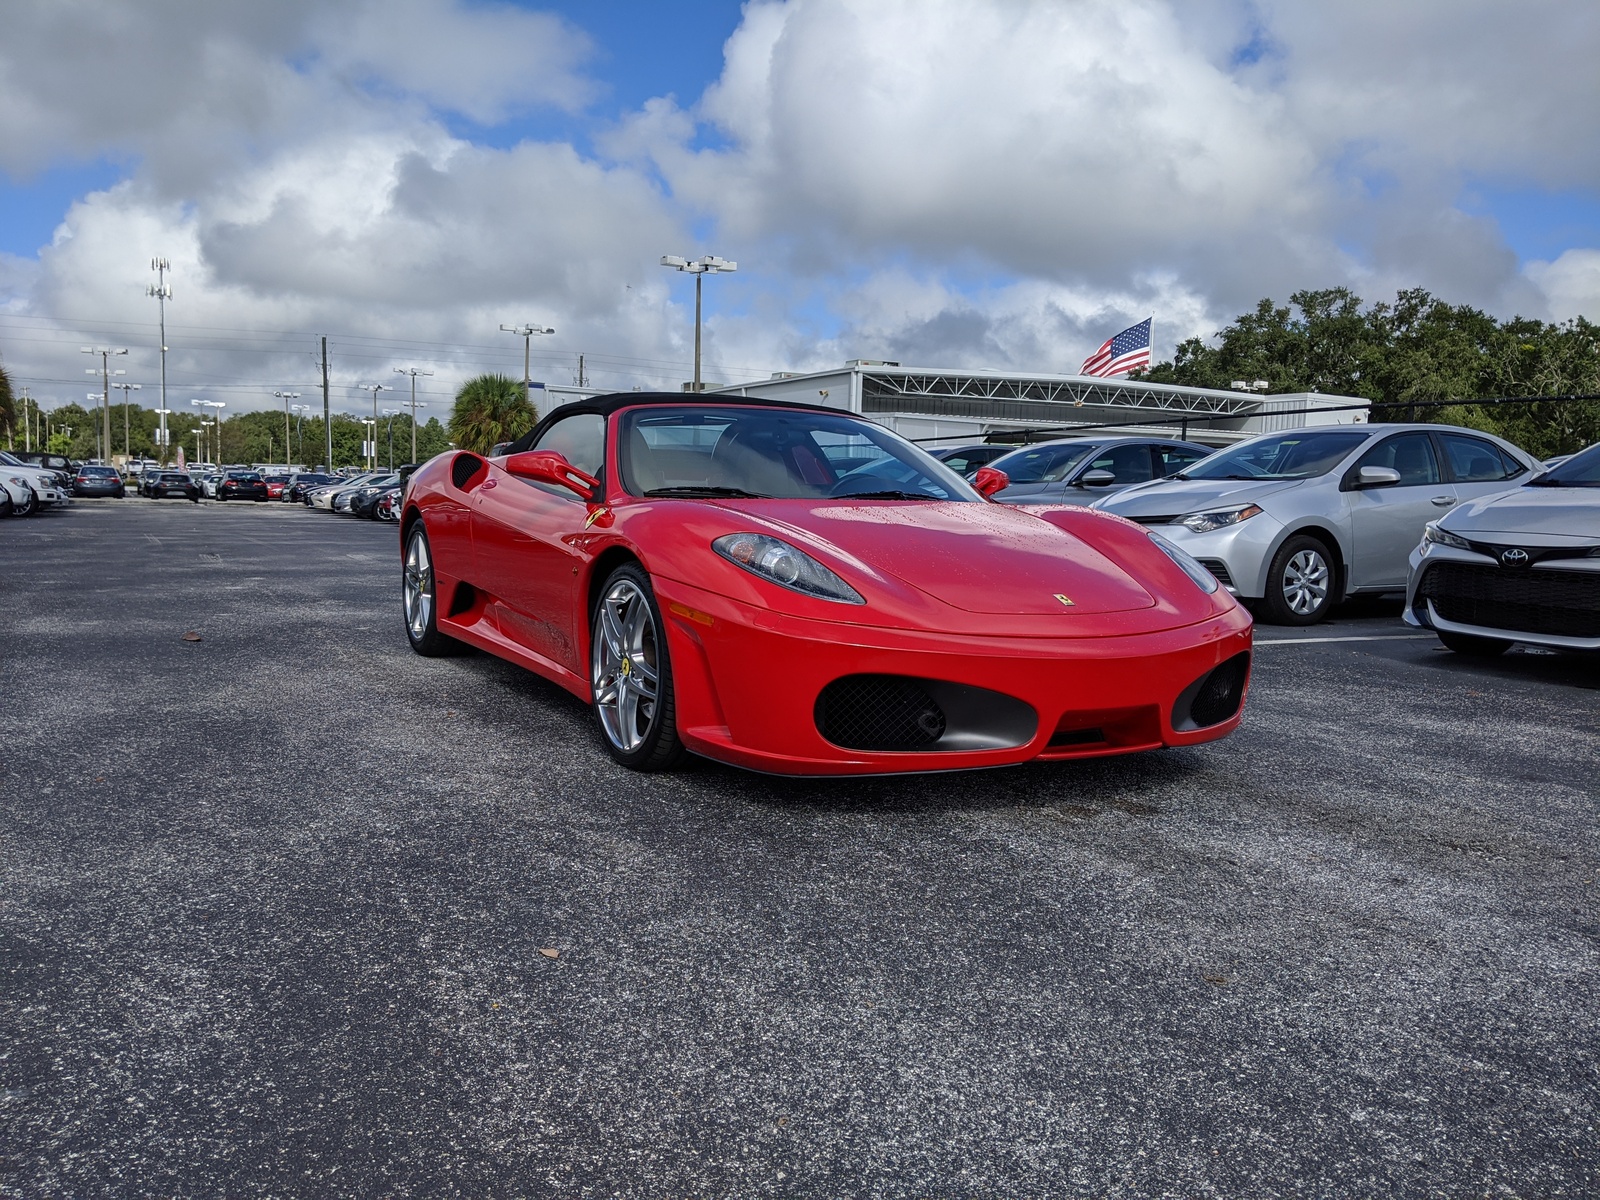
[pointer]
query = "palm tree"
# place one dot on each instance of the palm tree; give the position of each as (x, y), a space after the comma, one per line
(490, 409)
(8, 407)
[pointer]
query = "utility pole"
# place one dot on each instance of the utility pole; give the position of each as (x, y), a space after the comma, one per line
(413, 372)
(583, 380)
(127, 446)
(526, 332)
(286, 396)
(708, 264)
(105, 353)
(327, 417)
(162, 291)
(375, 388)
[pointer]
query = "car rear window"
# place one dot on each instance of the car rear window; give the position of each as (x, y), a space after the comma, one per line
(103, 471)
(244, 476)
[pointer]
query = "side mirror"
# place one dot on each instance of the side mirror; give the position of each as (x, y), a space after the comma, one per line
(1371, 477)
(988, 481)
(550, 466)
(1096, 479)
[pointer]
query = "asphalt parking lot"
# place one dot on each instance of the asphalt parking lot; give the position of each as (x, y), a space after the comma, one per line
(278, 910)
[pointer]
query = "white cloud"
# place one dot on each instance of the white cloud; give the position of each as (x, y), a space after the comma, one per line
(1571, 283)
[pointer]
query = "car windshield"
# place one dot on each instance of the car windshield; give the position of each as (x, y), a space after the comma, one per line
(1049, 463)
(775, 453)
(1581, 470)
(244, 477)
(174, 479)
(97, 471)
(11, 461)
(1297, 455)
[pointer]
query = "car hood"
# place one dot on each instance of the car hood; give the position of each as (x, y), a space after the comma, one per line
(983, 558)
(1541, 511)
(1174, 497)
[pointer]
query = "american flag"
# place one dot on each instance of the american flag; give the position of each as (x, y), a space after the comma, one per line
(1128, 351)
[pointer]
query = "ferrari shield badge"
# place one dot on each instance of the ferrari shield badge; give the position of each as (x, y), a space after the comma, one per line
(1067, 600)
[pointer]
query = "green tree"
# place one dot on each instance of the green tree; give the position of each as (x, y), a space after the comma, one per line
(490, 409)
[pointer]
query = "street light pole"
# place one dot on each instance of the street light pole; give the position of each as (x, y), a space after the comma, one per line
(374, 388)
(526, 332)
(105, 353)
(217, 404)
(300, 427)
(414, 372)
(127, 446)
(286, 396)
(708, 264)
(162, 291)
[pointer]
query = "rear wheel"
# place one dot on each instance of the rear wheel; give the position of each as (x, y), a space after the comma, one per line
(419, 591)
(1299, 583)
(1473, 647)
(631, 674)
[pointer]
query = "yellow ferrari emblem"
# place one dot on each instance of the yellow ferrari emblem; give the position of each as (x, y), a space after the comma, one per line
(1067, 600)
(594, 516)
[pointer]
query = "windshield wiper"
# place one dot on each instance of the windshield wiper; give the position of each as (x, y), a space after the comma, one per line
(705, 491)
(890, 495)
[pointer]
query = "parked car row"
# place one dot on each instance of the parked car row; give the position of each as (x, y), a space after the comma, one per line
(26, 487)
(374, 495)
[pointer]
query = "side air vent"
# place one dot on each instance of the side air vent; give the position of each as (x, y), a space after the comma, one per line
(465, 467)
(1215, 697)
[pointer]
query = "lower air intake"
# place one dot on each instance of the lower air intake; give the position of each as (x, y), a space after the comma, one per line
(1215, 697)
(879, 712)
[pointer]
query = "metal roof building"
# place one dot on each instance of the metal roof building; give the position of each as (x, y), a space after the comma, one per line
(933, 406)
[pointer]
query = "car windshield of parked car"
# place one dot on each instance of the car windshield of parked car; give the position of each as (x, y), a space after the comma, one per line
(1297, 455)
(244, 476)
(105, 472)
(773, 453)
(1581, 470)
(173, 477)
(1044, 464)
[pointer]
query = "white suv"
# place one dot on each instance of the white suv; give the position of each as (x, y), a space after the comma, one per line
(27, 487)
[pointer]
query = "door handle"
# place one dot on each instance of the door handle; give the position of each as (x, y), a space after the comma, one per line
(1444, 501)
(490, 483)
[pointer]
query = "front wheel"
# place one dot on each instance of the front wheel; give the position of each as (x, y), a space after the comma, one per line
(631, 674)
(1299, 583)
(1473, 647)
(419, 593)
(29, 505)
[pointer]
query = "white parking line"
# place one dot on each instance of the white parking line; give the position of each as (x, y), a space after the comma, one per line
(1375, 637)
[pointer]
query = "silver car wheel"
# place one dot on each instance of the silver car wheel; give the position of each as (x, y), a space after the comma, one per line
(418, 588)
(1305, 582)
(625, 675)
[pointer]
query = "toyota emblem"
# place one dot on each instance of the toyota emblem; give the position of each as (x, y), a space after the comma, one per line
(1514, 557)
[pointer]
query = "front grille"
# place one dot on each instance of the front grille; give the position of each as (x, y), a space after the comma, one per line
(1218, 568)
(879, 712)
(1220, 692)
(1559, 603)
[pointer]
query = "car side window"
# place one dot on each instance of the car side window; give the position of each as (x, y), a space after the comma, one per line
(580, 439)
(1172, 459)
(1129, 463)
(1473, 460)
(1411, 454)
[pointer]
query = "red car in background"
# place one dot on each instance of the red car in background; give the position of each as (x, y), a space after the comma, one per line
(798, 590)
(275, 485)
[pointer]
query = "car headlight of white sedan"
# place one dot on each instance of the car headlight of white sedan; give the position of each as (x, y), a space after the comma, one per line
(1443, 537)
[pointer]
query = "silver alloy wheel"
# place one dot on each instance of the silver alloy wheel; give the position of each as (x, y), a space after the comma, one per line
(1305, 582)
(418, 587)
(625, 665)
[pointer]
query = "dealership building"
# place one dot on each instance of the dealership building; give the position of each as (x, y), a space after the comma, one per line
(942, 407)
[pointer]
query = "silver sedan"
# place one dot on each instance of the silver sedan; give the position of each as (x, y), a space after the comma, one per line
(1302, 519)
(1082, 470)
(1520, 566)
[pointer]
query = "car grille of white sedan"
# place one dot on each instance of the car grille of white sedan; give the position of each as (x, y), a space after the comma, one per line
(1561, 603)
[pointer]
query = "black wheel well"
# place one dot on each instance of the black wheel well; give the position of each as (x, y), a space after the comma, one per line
(609, 560)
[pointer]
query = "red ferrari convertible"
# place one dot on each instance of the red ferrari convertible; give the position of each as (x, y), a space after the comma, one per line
(798, 590)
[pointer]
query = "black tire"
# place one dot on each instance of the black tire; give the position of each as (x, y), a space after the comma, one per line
(658, 747)
(1301, 566)
(419, 587)
(1473, 647)
(29, 507)
(5, 503)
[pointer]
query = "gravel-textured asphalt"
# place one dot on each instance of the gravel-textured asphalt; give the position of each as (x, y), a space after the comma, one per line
(277, 910)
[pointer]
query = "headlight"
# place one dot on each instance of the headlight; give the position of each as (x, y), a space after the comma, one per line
(1439, 537)
(19, 481)
(1204, 579)
(778, 562)
(1207, 521)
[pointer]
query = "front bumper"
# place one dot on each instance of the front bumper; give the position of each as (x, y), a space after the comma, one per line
(748, 682)
(1554, 604)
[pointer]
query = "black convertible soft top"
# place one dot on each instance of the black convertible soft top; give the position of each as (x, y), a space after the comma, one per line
(608, 404)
